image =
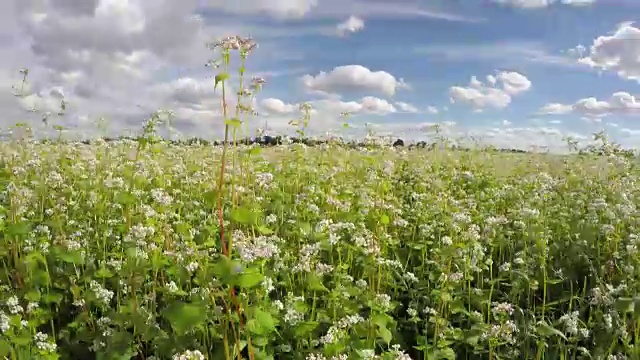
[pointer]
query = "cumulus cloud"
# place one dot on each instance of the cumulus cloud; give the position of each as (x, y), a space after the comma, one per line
(618, 52)
(278, 8)
(326, 114)
(432, 110)
(555, 109)
(277, 106)
(496, 93)
(513, 83)
(353, 77)
(403, 106)
(351, 25)
(620, 103)
(539, 4)
(333, 107)
(109, 58)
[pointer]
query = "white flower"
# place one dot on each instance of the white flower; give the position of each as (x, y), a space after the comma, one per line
(192, 266)
(43, 343)
(189, 355)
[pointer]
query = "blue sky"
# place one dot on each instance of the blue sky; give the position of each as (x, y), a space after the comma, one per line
(433, 46)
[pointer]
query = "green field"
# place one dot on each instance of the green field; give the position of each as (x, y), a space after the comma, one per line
(113, 253)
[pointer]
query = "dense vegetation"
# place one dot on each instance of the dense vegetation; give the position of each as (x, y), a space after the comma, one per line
(116, 251)
(149, 249)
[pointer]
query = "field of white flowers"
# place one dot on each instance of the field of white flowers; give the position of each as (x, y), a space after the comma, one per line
(109, 252)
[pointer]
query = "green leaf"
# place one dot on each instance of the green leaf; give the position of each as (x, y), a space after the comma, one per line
(236, 123)
(226, 270)
(52, 298)
(250, 278)
(380, 320)
(184, 317)
(266, 321)
(446, 353)
(126, 198)
(636, 307)
(104, 273)
(625, 305)
(314, 283)
(244, 216)
(73, 257)
(33, 295)
(305, 228)
(384, 334)
(21, 340)
(21, 228)
(221, 77)
(384, 219)
(304, 329)
(5, 348)
(546, 330)
(264, 230)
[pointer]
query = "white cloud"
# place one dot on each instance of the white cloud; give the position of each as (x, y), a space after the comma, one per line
(503, 54)
(277, 8)
(620, 103)
(353, 77)
(496, 94)
(630, 132)
(525, 4)
(277, 106)
(366, 105)
(110, 58)
(555, 109)
(374, 105)
(288, 9)
(432, 110)
(325, 116)
(328, 109)
(507, 136)
(513, 83)
(403, 106)
(578, 2)
(351, 25)
(618, 52)
(388, 9)
(539, 4)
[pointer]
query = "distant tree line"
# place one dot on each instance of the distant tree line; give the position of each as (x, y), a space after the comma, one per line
(269, 141)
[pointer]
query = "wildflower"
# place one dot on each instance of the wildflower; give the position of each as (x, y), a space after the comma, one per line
(14, 305)
(189, 355)
(446, 241)
(383, 300)
(257, 82)
(43, 343)
(293, 316)
(502, 308)
(192, 266)
(103, 295)
(271, 219)
(5, 325)
(32, 306)
(410, 277)
(172, 287)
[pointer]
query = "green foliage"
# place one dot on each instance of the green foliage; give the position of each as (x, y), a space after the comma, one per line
(331, 253)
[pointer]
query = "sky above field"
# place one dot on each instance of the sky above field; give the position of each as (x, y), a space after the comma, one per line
(514, 73)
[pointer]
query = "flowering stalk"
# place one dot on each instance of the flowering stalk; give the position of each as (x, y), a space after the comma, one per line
(245, 46)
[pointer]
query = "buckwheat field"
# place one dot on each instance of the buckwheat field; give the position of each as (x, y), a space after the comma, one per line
(149, 249)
